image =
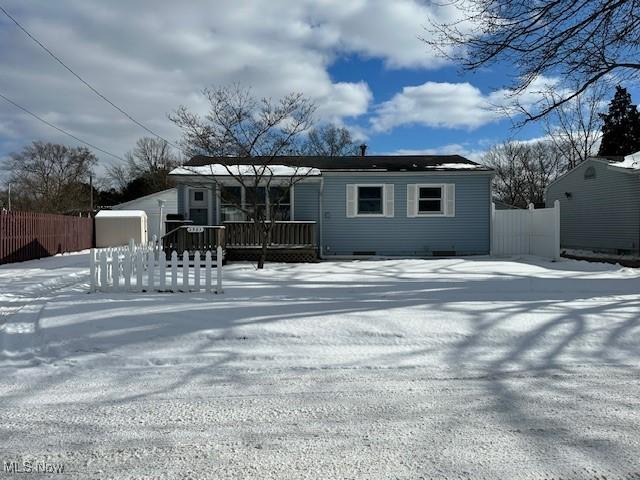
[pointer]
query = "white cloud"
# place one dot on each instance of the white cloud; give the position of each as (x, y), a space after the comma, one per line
(151, 56)
(383, 28)
(452, 105)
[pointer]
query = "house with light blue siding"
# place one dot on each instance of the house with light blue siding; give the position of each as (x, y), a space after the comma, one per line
(417, 205)
(600, 205)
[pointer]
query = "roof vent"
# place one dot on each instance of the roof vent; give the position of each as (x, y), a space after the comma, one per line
(363, 149)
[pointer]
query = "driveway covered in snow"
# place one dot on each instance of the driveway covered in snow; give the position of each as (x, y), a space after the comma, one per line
(452, 368)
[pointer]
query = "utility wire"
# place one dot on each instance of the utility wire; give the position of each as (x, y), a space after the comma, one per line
(83, 80)
(60, 129)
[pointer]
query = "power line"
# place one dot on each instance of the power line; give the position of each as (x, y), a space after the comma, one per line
(83, 80)
(60, 129)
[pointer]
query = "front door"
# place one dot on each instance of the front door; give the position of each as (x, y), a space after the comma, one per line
(198, 208)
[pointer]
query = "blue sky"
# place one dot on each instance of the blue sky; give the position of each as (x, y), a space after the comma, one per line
(386, 82)
(360, 61)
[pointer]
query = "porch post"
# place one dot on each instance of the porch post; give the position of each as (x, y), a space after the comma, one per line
(210, 195)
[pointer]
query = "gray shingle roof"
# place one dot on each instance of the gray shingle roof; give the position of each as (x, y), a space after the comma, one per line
(368, 162)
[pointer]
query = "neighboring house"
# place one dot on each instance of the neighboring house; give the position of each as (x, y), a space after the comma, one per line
(150, 205)
(370, 205)
(600, 205)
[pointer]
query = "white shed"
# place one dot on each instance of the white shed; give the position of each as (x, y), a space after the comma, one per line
(150, 204)
(117, 227)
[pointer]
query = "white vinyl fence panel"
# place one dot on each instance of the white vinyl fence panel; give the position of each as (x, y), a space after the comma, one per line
(145, 268)
(526, 232)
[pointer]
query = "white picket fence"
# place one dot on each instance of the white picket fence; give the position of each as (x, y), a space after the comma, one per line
(526, 232)
(145, 268)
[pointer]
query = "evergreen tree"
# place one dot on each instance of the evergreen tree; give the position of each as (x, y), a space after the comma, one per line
(621, 127)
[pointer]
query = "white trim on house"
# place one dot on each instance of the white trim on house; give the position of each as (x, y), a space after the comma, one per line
(187, 207)
(447, 200)
(219, 170)
(217, 200)
(413, 173)
(210, 199)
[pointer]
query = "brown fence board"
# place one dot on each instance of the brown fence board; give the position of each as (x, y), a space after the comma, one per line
(28, 235)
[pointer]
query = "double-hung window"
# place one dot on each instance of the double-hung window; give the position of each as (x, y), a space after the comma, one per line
(431, 200)
(370, 200)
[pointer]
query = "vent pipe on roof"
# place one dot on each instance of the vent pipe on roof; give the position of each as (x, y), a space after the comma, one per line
(363, 149)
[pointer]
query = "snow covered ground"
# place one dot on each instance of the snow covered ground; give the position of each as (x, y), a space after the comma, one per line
(450, 368)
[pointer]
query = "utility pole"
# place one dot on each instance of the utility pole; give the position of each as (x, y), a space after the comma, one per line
(9, 195)
(90, 194)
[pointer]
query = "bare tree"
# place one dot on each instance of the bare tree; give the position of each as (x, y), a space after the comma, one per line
(580, 41)
(48, 177)
(509, 180)
(150, 162)
(542, 165)
(574, 126)
(523, 171)
(331, 141)
(255, 133)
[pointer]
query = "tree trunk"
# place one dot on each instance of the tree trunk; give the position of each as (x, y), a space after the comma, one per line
(264, 238)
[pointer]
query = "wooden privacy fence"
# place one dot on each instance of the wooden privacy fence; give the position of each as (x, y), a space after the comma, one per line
(27, 235)
(526, 232)
(144, 268)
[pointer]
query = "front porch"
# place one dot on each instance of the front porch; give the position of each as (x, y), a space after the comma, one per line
(289, 241)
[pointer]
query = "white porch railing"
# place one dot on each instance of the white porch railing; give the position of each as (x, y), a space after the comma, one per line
(145, 268)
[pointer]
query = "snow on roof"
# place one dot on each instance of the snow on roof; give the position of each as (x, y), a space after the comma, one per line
(245, 170)
(459, 166)
(630, 161)
(121, 213)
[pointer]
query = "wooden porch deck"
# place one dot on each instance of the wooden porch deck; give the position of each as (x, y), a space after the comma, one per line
(288, 242)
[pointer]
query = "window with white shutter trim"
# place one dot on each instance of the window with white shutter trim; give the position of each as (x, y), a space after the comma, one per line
(411, 200)
(450, 200)
(431, 200)
(351, 201)
(388, 199)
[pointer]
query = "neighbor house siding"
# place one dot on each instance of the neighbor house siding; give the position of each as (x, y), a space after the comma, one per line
(602, 213)
(467, 233)
(150, 205)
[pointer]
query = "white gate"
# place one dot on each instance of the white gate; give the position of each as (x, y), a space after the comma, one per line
(526, 232)
(143, 268)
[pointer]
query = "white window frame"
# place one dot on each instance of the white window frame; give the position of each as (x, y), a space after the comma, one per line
(388, 200)
(379, 185)
(446, 189)
(443, 199)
